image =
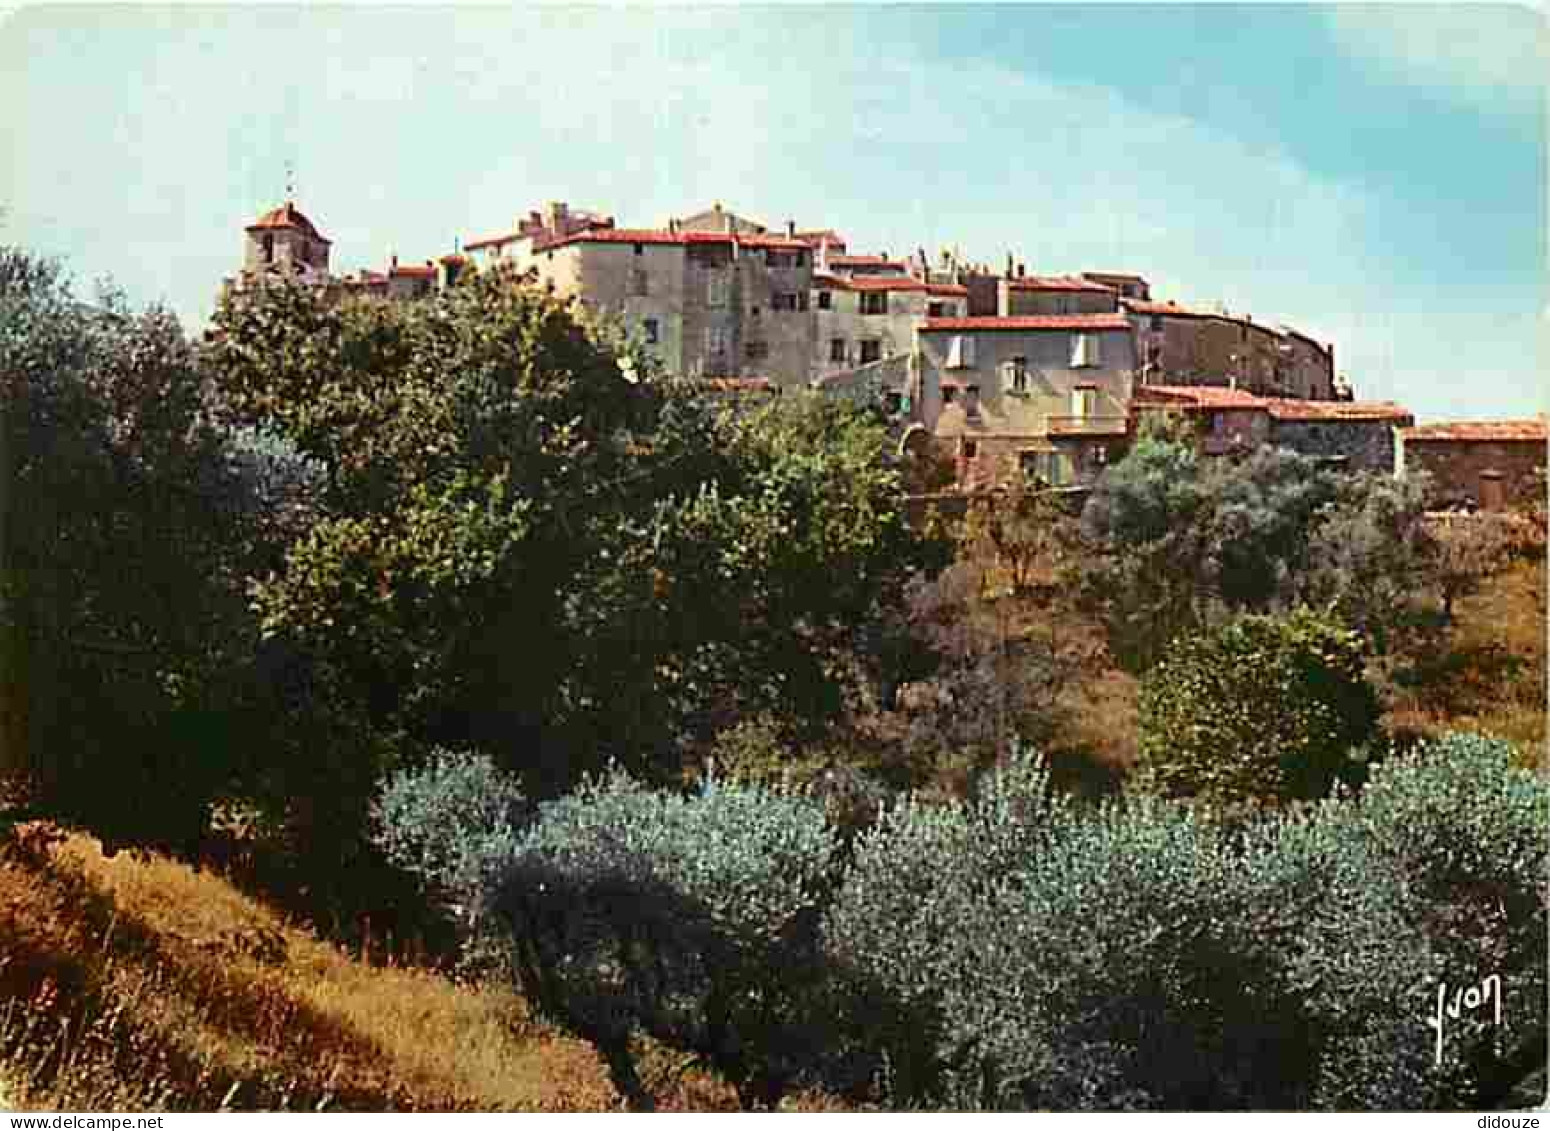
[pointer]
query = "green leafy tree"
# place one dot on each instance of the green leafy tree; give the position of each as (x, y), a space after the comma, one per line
(1262, 708)
(129, 522)
(525, 541)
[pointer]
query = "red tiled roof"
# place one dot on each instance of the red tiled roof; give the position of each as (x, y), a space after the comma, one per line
(624, 235)
(286, 216)
(885, 283)
(1113, 275)
(1138, 306)
(947, 290)
(454, 257)
(1197, 396)
(412, 272)
(864, 261)
(1056, 283)
(778, 243)
(827, 235)
(1279, 408)
(833, 282)
(1284, 408)
(1029, 322)
(1534, 431)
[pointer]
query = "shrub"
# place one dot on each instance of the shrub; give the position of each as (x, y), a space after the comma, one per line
(452, 822)
(1263, 708)
(911, 930)
(689, 919)
(1465, 829)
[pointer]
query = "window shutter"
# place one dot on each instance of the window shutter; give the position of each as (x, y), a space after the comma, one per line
(1094, 354)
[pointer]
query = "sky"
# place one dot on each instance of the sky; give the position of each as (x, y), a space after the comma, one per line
(1374, 175)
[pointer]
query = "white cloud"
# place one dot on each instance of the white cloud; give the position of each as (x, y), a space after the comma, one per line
(1494, 55)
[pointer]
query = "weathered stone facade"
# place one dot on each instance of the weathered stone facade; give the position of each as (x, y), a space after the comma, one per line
(1049, 392)
(1486, 464)
(1183, 346)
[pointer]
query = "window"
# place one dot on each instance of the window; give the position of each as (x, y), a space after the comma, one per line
(936, 310)
(638, 285)
(268, 248)
(836, 349)
(1157, 323)
(757, 351)
(949, 394)
(960, 352)
(1084, 402)
(971, 400)
(1015, 373)
(1084, 350)
(640, 249)
(784, 302)
(715, 340)
(874, 302)
(871, 350)
(825, 300)
(716, 289)
(1053, 468)
(653, 331)
(753, 312)
(969, 449)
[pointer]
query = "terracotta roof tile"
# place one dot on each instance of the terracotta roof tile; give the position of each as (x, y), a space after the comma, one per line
(1197, 396)
(1536, 431)
(1291, 409)
(411, 272)
(885, 283)
(1137, 306)
(286, 216)
(864, 261)
(947, 290)
(1029, 322)
(1056, 283)
(778, 243)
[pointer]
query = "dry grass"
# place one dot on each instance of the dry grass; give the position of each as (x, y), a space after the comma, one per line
(1489, 675)
(141, 984)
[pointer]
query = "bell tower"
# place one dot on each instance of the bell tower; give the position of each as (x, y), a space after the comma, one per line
(284, 242)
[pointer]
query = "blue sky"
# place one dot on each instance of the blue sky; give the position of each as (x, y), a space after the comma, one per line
(1372, 174)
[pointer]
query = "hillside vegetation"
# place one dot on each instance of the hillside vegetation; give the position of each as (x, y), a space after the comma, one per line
(433, 706)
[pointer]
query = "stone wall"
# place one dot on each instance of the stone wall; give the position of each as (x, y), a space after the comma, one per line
(1366, 445)
(1459, 469)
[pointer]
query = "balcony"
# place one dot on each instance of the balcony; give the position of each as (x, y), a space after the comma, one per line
(1086, 425)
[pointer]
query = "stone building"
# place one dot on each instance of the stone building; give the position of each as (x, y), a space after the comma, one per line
(282, 244)
(865, 318)
(1181, 345)
(1355, 435)
(1053, 294)
(1487, 464)
(1047, 392)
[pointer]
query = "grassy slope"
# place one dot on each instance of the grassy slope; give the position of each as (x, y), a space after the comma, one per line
(140, 984)
(1490, 676)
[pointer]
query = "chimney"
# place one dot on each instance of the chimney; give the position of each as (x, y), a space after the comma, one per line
(1010, 266)
(791, 229)
(1021, 270)
(395, 262)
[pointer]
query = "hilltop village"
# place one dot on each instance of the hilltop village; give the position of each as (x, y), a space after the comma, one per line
(996, 367)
